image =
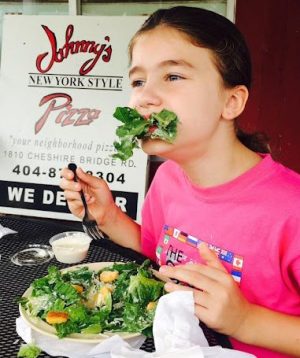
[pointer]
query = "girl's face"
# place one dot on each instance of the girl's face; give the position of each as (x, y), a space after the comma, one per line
(168, 71)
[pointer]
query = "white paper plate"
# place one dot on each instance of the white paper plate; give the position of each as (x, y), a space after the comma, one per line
(42, 327)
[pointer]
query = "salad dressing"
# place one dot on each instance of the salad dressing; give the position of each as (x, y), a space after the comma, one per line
(71, 249)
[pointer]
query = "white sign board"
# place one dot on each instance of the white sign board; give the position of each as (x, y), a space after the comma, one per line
(61, 79)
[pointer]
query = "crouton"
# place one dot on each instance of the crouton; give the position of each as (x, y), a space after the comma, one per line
(78, 288)
(109, 276)
(151, 305)
(54, 317)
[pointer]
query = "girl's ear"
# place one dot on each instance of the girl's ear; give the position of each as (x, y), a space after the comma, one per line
(235, 102)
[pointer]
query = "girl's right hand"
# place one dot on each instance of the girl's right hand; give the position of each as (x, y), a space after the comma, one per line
(97, 194)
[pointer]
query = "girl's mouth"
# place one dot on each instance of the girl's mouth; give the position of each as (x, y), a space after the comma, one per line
(152, 129)
(136, 126)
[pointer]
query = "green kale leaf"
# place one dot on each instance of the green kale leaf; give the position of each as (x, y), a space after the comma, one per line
(135, 318)
(144, 290)
(82, 276)
(29, 351)
(162, 125)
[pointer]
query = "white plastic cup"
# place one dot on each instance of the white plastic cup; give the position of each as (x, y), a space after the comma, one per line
(70, 247)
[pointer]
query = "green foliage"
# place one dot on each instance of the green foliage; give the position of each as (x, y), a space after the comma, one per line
(162, 125)
(29, 351)
(82, 276)
(117, 307)
(143, 289)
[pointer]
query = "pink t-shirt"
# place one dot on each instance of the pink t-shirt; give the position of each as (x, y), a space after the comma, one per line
(252, 222)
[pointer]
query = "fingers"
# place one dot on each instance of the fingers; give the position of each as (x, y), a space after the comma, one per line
(194, 273)
(171, 287)
(210, 272)
(205, 277)
(67, 173)
(196, 276)
(84, 180)
(68, 184)
(90, 180)
(72, 195)
(210, 257)
(200, 297)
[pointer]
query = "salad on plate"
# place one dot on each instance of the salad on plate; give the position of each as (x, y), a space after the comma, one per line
(93, 300)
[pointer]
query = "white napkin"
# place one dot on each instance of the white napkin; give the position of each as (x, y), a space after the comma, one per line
(176, 333)
(5, 231)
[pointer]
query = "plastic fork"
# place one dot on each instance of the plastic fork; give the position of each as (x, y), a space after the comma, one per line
(89, 224)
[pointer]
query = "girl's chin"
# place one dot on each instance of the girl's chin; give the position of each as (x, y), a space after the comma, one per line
(155, 147)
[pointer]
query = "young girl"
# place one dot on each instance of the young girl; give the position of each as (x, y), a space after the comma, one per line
(219, 215)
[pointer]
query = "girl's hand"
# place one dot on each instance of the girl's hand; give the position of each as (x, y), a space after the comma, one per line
(219, 302)
(97, 194)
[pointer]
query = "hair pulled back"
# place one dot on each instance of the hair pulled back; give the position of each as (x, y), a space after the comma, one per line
(212, 31)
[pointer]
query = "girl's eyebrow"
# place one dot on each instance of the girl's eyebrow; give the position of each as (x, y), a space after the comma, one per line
(165, 63)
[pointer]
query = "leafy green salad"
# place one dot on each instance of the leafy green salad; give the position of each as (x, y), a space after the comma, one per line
(117, 298)
(162, 125)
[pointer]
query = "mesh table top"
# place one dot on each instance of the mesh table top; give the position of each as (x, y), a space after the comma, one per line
(15, 279)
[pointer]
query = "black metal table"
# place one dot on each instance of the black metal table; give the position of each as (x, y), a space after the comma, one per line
(14, 280)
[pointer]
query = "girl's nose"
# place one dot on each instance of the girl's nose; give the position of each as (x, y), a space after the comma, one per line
(148, 97)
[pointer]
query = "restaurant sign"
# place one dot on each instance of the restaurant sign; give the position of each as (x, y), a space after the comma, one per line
(61, 79)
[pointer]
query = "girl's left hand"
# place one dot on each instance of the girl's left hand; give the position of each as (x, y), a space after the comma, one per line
(219, 302)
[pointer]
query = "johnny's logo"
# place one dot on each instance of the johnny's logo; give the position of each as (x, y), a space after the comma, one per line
(45, 61)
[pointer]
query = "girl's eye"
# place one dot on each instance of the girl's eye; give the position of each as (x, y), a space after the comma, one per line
(137, 83)
(173, 77)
